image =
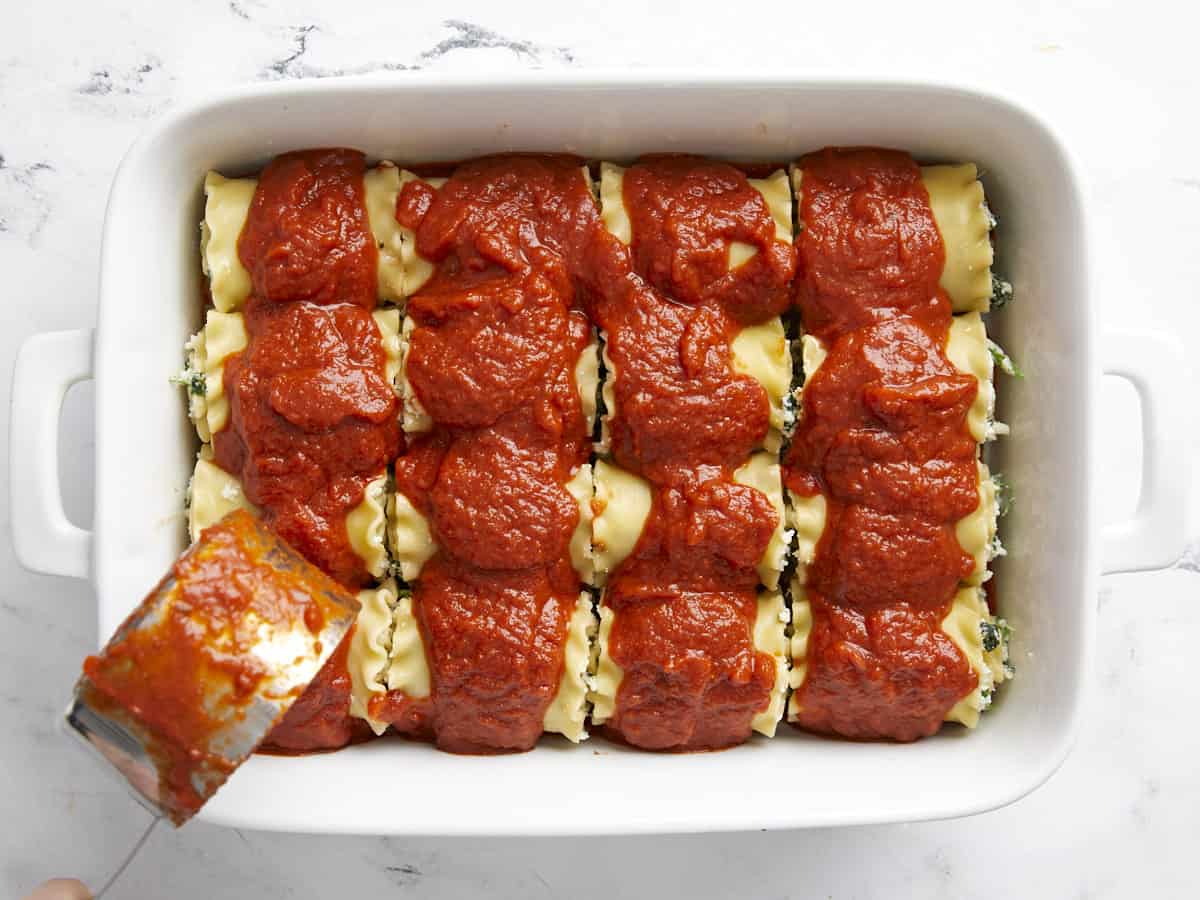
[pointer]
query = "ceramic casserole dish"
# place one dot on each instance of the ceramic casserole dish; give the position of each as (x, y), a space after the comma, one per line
(145, 447)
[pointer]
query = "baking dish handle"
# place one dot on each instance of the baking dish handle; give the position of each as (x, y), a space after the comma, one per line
(1157, 534)
(45, 540)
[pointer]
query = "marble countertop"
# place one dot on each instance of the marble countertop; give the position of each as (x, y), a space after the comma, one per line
(79, 81)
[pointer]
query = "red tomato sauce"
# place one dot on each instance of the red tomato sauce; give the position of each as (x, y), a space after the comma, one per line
(685, 213)
(883, 436)
(492, 360)
(307, 236)
(685, 600)
(312, 414)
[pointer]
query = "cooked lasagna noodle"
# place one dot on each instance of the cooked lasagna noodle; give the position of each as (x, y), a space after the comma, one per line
(292, 379)
(688, 533)
(893, 510)
(490, 520)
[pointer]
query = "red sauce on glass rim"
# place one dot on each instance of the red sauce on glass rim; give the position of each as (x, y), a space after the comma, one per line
(883, 436)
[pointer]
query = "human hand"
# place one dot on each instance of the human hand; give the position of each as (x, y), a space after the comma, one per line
(61, 889)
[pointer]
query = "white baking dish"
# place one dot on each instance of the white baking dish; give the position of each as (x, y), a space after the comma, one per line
(145, 447)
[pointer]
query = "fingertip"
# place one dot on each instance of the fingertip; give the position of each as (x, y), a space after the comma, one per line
(61, 889)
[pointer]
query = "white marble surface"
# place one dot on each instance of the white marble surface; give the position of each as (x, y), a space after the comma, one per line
(80, 80)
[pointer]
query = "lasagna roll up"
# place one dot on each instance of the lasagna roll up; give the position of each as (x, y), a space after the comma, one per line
(958, 209)
(214, 491)
(966, 349)
(623, 505)
(689, 535)
(227, 203)
(894, 511)
(758, 348)
(490, 522)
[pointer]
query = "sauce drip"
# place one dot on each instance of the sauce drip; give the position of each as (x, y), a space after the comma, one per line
(883, 437)
(312, 414)
(685, 600)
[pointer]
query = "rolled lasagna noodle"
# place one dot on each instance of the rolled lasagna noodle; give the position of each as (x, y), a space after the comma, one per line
(621, 506)
(806, 515)
(416, 420)
(581, 487)
(407, 671)
(214, 492)
(956, 198)
(224, 335)
(966, 348)
(608, 396)
(604, 674)
(418, 271)
(762, 473)
(407, 674)
(387, 655)
(762, 352)
(381, 186)
(412, 544)
(227, 204)
(409, 536)
(769, 637)
(567, 713)
(976, 532)
(967, 624)
(396, 663)
(964, 222)
(366, 527)
(758, 351)
(587, 380)
(623, 501)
